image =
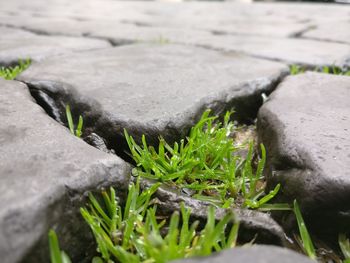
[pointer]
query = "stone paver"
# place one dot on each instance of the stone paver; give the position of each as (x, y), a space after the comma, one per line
(292, 51)
(17, 44)
(337, 31)
(261, 29)
(254, 254)
(154, 89)
(181, 58)
(45, 172)
(305, 126)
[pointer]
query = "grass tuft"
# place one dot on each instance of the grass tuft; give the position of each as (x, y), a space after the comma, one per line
(208, 163)
(78, 131)
(344, 244)
(136, 234)
(296, 69)
(10, 73)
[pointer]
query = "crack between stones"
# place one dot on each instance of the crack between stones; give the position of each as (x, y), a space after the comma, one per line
(252, 221)
(303, 31)
(54, 99)
(324, 40)
(85, 35)
(251, 55)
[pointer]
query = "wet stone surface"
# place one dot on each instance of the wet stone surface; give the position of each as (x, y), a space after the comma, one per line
(254, 254)
(152, 89)
(305, 125)
(45, 172)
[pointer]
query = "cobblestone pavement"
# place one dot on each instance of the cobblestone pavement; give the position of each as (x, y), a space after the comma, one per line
(153, 67)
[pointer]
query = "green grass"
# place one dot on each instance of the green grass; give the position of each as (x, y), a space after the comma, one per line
(296, 69)
(135, 233)
(344, 244)
(208, 163)
(10, 73)
(78, 131)
(56, 255)
(307, 243)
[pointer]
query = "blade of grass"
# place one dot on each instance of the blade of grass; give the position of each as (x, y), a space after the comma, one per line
(304, 233)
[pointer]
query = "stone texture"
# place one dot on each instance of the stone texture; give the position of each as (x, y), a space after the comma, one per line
(152, 89)
(263, 30)
(293, 51)
(44, 173)
(305, 127)
(253, 254)
(336, 31)
(17, 44)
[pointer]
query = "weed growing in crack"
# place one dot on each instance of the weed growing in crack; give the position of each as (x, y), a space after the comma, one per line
(344, 244)
(78, 131)
(10, 73)
(136, 234)
(296, 69)
(307, 243)
(208, 163)
(56, 255)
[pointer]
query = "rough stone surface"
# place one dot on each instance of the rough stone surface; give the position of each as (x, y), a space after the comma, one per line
(305, 126)
(254, 254)
(17, 44)
(153, 89)
(160, 88)
(44, 173)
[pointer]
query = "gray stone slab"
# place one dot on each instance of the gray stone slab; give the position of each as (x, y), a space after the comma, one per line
(290, 50)
(252, 254)
(305, 126)
(259, 29)
(44, 173)
(337, 31)
(17, 44)
(154, 89)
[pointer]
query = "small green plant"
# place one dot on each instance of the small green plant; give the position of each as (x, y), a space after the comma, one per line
(296, 69)
(344, 245)
(162, 40)
(206, 162)
(10, 73)
(307, 243)
(56, 255)
(135, 234)
(78, 131)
